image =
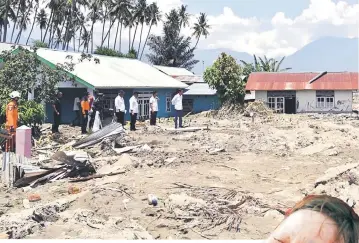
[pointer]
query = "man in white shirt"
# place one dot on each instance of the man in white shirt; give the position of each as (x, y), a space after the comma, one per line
(177, 102)
(133, 110)
(153, 108)
(120, 108)
(77, 106)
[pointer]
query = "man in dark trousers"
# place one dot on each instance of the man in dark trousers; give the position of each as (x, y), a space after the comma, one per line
(153, 108)
(56, 105)
(177, 102)
(120, 108)
(133, 110)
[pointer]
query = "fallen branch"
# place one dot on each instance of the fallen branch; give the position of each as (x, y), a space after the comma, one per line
(96, 176)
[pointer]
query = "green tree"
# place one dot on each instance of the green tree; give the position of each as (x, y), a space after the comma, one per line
(153, 17)
(39, 44)
(225, 75)
(201, 28)
(172, 49)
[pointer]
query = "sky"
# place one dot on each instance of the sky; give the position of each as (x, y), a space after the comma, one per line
(274, 28)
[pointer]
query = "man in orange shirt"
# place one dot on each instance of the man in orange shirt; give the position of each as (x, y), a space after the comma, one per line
(85, 108)
(12, 116)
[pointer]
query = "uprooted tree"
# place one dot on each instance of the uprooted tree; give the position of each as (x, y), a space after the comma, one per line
(226, 76)
(24, 71)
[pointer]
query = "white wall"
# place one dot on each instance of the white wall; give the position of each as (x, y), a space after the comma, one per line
(261, 95)
(307, 101)
(70, 84)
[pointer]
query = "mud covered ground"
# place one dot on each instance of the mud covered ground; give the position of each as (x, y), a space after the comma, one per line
(233, 181)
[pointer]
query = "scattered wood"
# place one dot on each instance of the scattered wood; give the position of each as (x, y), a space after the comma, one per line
(97, 176)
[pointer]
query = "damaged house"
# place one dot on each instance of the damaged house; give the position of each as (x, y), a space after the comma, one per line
(305, 92)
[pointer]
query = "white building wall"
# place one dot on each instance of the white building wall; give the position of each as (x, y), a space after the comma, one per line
(307, 101)
(261, 95)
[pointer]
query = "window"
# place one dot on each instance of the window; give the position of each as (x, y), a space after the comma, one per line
(168, 102)
(325, 102)
(325, 99)
(276, 104)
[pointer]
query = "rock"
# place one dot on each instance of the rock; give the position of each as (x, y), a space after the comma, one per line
(124, 162)
(334, 172)
(26, 203)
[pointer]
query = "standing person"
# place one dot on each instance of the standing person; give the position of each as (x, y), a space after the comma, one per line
(85, 108)
(97, 107)
(77, 111)
(153, 108)
(177, 102)
(120, 108)
(91, 115)
(56, 105)
(12, 117)
(134, 110)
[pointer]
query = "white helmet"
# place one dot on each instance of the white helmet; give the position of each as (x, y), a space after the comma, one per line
(14, 94)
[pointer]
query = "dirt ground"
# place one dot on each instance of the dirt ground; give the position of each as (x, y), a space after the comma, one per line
(233, 181)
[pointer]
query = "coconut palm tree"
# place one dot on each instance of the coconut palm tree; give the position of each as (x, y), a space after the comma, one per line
(138, 16)
(24, 22)
(201, 28)
(42, 21)
(6, 13)
(20, 8)
(153, 18)
(129, 23)
(33, 21)
(183, 17)
(94, 16)
(142, 18)
(120, 10)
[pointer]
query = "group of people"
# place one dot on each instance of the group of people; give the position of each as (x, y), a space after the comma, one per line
(86, 108)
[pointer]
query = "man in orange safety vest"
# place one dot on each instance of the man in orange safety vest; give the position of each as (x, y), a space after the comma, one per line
(12, 117)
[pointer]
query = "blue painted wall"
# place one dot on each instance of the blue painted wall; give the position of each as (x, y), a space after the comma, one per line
(67, 105)
(204, 102)
(70, 94)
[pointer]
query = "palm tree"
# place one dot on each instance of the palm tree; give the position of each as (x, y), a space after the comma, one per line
(183, 16)
(6, 13)
(153, 17)
(120, 9)
(105, 15)
(41, 20)
(86, 38)
(201, 28)
(20, 7)
(24, 22)
(138, 16)
(94, 16)
(54, 6)
(33, 21)
(128, 23)
(143, 17)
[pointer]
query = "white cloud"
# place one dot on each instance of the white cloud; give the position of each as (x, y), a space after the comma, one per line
(274, 37)
(285, 35)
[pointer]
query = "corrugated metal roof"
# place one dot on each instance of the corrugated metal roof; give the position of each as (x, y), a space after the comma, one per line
(189, 78)
(300, 81)
(174, 71)
(113, 72)
(199, 89)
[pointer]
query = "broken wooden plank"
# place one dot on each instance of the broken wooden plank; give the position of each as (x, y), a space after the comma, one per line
(97, 176)
(188, 129)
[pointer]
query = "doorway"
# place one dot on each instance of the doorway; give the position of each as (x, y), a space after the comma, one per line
(290, 105)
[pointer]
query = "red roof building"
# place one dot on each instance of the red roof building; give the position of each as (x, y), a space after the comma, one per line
(305, 92)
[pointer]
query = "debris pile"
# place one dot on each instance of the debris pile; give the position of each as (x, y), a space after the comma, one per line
(258, 108)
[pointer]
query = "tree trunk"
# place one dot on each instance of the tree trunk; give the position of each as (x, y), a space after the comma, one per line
(48, 25)
(33, 24)
(134, 36)
(6, 22)
(15, 22)
(129, 39)
(78, 48)
(93, 22)
(41, 33)
(65, 36)
(196, 43)
(120, 42)
(108, 32)
(139, 45)
(118, 25)
(103, 27)
(22, 23)
(148, 34)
